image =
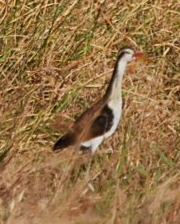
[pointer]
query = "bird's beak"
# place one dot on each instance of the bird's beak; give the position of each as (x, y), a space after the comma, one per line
(138, 55)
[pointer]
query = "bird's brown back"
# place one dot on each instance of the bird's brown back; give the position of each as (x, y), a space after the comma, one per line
(82, 125)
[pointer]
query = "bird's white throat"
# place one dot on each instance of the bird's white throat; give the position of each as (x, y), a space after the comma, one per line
(116, 92)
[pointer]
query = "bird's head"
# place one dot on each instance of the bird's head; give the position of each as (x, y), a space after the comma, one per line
(127, 54)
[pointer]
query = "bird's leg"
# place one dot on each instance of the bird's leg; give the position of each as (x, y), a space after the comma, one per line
(93, 148)
(87, 176)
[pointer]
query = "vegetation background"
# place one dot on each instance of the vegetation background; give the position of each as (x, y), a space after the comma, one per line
(56, 58)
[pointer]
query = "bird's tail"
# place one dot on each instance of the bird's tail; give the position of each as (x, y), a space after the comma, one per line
(65, 141)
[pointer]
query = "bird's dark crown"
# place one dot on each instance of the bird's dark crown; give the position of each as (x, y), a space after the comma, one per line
(126, 50)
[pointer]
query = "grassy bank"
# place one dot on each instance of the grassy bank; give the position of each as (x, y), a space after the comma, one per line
(56, 57)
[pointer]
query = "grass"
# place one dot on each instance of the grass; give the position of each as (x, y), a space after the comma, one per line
(56, 57)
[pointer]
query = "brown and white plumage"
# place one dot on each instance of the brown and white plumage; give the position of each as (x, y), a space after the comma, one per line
(101, 120)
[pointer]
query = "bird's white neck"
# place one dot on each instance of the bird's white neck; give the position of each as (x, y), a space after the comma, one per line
(120, 70)
(114, 89)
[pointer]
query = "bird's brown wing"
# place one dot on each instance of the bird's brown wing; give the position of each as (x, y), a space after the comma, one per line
(94, 122)
(83, 124)
(101, 124)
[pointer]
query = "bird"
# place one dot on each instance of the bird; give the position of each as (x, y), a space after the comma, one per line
(100, 121)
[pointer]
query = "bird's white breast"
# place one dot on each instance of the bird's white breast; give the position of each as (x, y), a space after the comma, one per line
(116, 107)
